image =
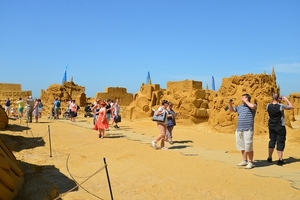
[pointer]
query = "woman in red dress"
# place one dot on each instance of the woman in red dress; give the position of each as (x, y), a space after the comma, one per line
(102, 123)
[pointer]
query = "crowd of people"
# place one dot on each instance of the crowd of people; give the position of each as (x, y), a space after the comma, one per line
(104, 112)
(108, 111)
(33, 108)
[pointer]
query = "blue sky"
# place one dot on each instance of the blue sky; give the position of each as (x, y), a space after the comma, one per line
(116, 43)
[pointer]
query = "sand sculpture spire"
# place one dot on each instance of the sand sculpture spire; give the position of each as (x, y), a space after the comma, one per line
(273, 74)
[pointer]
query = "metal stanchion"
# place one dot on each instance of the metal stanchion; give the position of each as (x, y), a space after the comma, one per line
(110, 190)
(50, 140)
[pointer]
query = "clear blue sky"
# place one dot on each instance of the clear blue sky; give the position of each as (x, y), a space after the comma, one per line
(116, 43)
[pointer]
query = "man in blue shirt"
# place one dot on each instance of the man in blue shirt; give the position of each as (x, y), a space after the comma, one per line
(56, 108)
(244, 131)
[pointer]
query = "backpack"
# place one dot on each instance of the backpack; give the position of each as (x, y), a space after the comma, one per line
(58, 104)
(78, 107)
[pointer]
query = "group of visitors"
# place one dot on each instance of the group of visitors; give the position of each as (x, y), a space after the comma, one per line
(34, 109)
(166, 127)
(245, 128)
(104, 112)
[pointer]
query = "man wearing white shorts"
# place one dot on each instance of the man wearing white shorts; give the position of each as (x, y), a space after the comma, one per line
(244, 131)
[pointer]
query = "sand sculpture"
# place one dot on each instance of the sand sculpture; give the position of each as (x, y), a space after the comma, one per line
(295, 100)
(189, 99)
(63, 92)
(13, 92)
(259, 86)
(11, 174)
(3, 118)
(198, 105)
(116, 93)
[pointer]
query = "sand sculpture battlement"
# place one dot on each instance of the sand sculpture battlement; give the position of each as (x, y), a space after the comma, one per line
(12, 91)
(116, 93)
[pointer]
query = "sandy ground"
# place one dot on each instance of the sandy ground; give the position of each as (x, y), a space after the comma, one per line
(201, 164)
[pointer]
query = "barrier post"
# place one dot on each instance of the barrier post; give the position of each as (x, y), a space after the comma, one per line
(110, 190)
(50, 141)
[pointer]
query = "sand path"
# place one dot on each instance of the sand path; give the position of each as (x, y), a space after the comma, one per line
(201, 163)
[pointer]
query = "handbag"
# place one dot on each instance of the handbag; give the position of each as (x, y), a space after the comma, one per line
(117, 118)
(159, 118)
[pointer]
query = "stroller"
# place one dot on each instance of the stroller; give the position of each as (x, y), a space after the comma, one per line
(66, 114)
(88, 111)
(52, 116)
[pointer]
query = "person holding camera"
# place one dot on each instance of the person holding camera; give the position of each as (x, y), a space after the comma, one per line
(276, 123)
(244, 131)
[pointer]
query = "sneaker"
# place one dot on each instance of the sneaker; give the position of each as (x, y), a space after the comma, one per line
(280, 162)
(243, 163)
(164, 148)
(249, 165)
(153, 144)
(269, 160)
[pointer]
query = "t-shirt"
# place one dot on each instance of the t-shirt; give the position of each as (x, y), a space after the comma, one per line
(30, 102)
(20, 104)
(7, 103)
(57, 104)
(245, 117)
(108, 107)
(276, 114)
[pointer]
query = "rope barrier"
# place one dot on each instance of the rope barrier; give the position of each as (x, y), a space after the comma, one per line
(80, 184)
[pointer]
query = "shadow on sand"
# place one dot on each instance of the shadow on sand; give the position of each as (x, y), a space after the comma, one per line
(179, 147)
(264, 163)
(17, 128)
(183, 142)
(18, 143)
(43, 182)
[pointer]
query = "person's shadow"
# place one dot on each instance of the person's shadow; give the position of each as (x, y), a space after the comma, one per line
(265, 163)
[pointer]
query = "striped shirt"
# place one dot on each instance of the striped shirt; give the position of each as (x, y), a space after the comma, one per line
(245, 117)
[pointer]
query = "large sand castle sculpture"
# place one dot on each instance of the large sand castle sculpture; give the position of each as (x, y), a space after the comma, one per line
(189, 99)
(63, 92)
(259, 86)
(11, 174)
(194, 103)
(116, 93)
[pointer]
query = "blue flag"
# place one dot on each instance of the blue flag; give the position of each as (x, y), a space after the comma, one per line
(213, 83)
(148, 80)
(64, 79)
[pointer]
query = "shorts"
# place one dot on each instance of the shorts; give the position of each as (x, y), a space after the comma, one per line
(108, 116)
(277, 136)
(244, 140)
(7, 108)
(20, 109)
(56, 111)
